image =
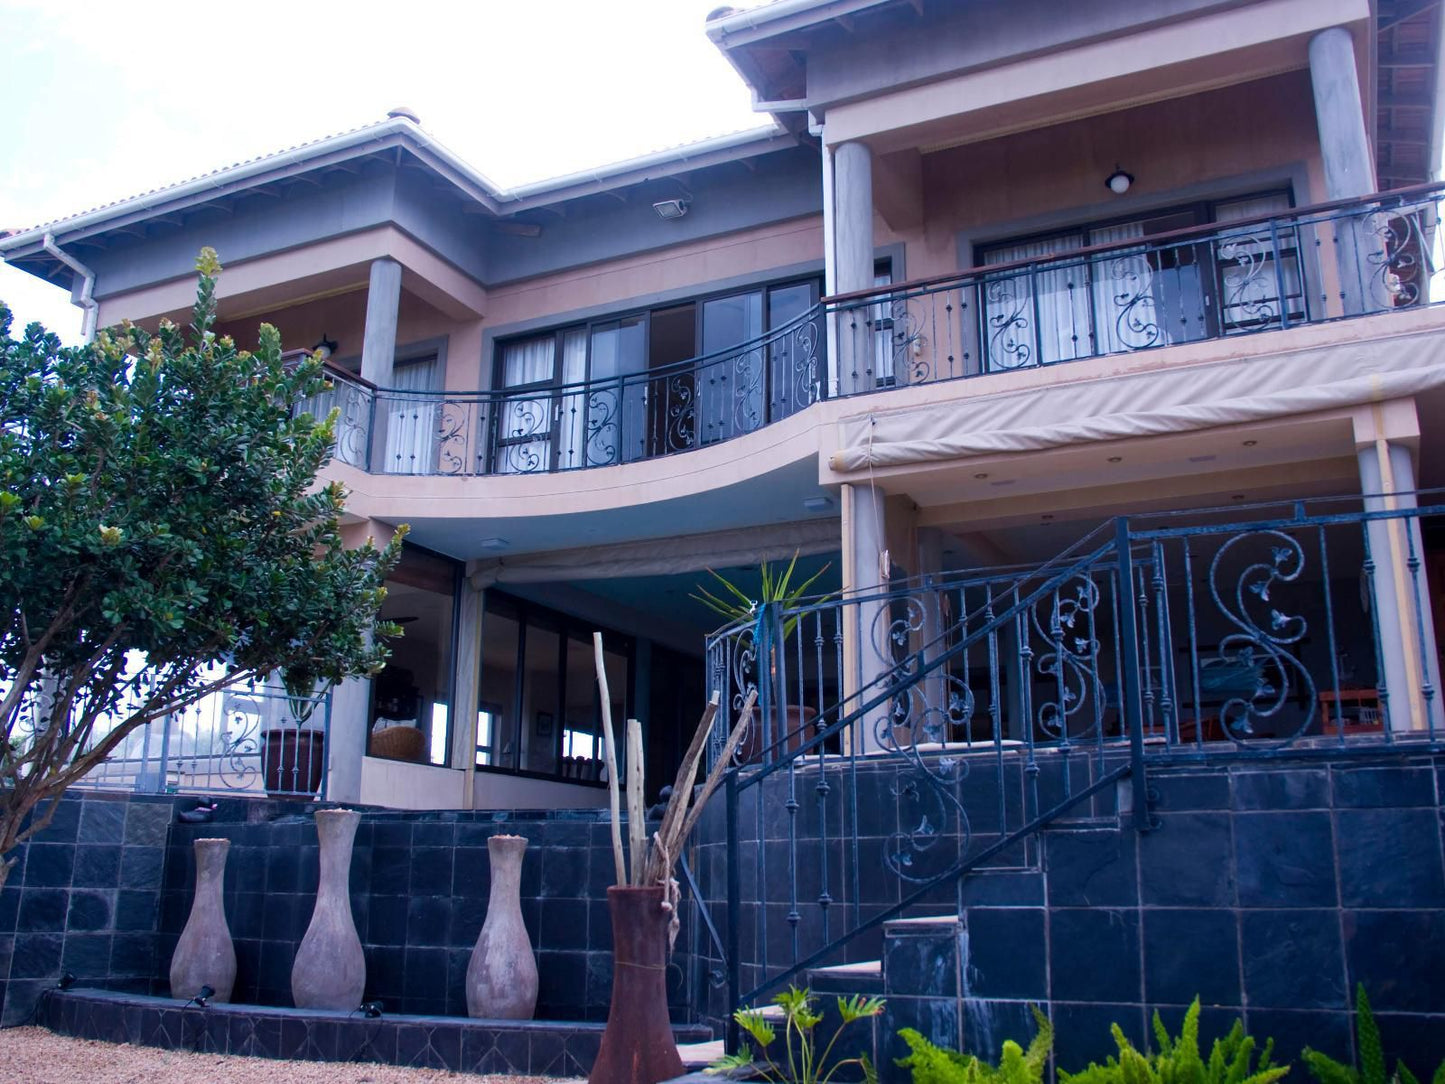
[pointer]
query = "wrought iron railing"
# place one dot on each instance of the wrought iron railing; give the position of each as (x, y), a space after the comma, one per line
(913, 734)
(249, 738)
(1326, 262)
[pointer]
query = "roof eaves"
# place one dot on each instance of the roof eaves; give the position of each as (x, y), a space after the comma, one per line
(780, 17)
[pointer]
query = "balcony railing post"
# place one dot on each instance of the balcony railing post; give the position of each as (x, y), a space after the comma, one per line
(1131, 711)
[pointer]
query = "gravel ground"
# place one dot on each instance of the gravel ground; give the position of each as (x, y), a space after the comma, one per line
(37, 1056)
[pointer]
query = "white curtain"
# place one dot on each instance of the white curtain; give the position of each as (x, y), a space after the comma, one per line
(1126, 315)
(525, 430)
(572, 439)
(411, 418)
(1034, 317)
(1249, 280)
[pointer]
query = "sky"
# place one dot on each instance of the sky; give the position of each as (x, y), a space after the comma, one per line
(105, 99)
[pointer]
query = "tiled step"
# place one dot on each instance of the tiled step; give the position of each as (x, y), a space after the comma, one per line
(844, 980)
(701, 1055)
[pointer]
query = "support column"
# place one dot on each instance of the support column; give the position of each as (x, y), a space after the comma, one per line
(467, 686)
(863, 524)
(383, 300)
(1399, 595)
(378, 348)
(1349, 167)
(853, 256)
(346, 739)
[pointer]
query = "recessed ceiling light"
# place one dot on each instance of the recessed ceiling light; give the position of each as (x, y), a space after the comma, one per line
(981, 475)
(1249, 443)
(493, 544)
(1116, 459)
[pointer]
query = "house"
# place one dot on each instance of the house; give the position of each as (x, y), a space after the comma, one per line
(992, 276)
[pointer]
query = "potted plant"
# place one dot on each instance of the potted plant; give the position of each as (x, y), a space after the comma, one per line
(638, 1045)
(780, 593)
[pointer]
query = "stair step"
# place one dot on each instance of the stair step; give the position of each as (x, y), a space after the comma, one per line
(921, 920)
(864, 977)
(701, 1055)
(862, 967)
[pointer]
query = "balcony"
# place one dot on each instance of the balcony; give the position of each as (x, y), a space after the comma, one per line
(1314, 265)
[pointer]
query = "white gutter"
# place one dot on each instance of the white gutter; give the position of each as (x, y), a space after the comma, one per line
(87, 286)
(755, 18)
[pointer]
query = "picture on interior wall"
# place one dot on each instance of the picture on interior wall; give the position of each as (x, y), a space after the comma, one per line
(544, 724)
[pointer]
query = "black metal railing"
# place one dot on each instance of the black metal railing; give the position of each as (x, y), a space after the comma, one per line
(911, 735)
(1328, 262)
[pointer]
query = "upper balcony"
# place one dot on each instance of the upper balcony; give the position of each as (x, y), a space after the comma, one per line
(1140, 290)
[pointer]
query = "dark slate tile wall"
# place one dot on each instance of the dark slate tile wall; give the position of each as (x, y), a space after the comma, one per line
(83, 897)
(1268, 888)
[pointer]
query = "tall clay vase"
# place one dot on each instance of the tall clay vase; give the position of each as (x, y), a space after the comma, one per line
(502, 974)
(638, 1046)
(330, 970)
(204, 954)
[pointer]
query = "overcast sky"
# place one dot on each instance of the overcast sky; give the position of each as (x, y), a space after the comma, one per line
(105, 99)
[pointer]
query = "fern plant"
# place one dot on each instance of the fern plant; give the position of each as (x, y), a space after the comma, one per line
(934, 1065)
(800, 1062)
(1178, 1061)
(1369, 1052)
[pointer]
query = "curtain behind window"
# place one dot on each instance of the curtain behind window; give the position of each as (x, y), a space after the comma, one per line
(1035, 316)
(411, 417)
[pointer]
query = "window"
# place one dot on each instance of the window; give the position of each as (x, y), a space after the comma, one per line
(621, 389)
(539, 711)
(1136, 297)
(411, 697)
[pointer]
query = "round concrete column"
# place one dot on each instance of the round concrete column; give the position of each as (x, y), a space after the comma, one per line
(1349, 169)
(383, 300)
(853, 257)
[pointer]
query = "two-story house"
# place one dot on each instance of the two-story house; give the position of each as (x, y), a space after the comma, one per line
(992, 274)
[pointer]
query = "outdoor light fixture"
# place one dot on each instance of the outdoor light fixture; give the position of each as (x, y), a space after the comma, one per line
(1118, 182)
(326, 347)
(370, 1009)
(65, 982)
(493, 544)
(202, 999)
(670, 208)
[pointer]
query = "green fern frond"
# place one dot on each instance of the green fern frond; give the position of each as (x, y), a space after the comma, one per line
(1328, 1071)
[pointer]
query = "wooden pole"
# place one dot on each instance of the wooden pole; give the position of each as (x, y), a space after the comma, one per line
(609, 752)
(636, 811)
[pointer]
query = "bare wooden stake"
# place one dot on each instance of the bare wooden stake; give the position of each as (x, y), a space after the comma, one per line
(719, 769)
(658, 866)
(636, 810)
(609, 752)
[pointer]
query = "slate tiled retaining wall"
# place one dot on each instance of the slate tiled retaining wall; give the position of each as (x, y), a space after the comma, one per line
(1268, 888)
(104, 892)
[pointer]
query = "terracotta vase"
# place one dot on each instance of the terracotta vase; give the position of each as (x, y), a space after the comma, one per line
(330, 970)
(637, 1046)
(502, 974)
(204, 954)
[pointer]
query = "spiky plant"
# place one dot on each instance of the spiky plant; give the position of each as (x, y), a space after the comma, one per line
(1370, 1052)
(801, 1062)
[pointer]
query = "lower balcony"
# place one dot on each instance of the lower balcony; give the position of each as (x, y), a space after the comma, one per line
(1142, 290)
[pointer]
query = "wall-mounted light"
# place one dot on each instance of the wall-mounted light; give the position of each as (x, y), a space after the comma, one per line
(670, 208)
(1119, 181)
(326, 347)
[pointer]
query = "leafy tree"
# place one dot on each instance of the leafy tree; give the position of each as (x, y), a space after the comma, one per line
(162, 537)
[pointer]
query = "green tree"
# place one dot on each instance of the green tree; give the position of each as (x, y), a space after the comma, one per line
(159, 504)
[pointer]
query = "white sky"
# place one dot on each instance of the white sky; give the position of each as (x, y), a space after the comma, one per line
(104, 99)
